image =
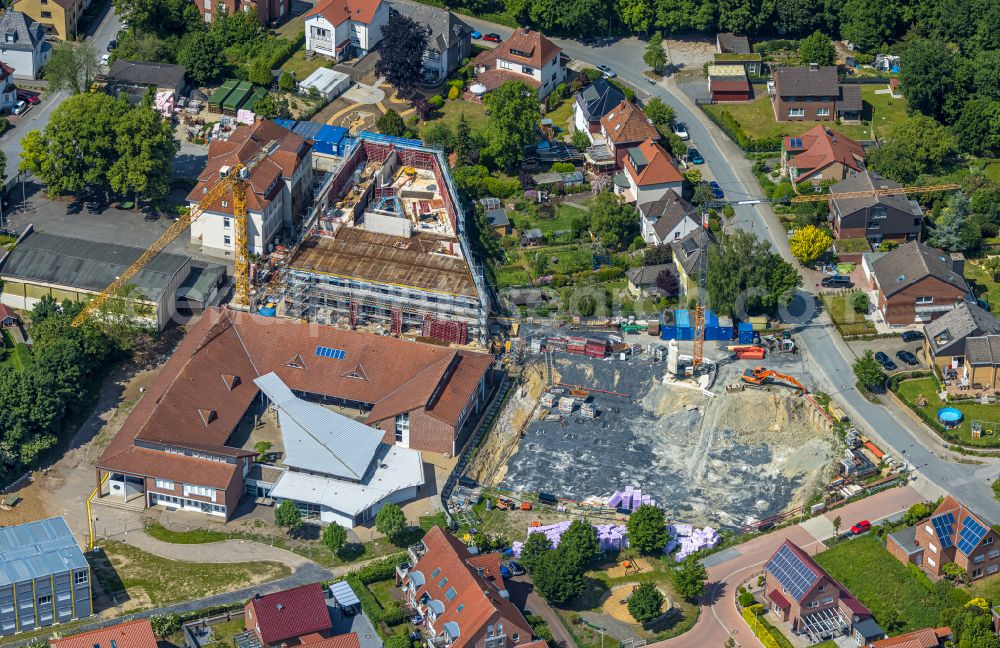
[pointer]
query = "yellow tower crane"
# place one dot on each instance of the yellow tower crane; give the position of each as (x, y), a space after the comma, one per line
(233, 179)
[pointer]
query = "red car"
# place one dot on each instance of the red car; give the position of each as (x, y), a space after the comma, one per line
(493, 38)
(861, 527)
(30, 97)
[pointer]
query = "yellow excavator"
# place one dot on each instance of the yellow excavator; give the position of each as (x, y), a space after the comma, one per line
(234, 179)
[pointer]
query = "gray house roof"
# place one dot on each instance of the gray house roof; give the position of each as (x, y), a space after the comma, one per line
(161, 75)
(806, 81)
(87, 265)
(913, 262)
(870, 181)
(38, 550)
(687, 251)
(599, 98)
(947, 334)
(733, 43)
(983, 350)
(20, 32)
(668, 212)
(646, 275)
(444, 27)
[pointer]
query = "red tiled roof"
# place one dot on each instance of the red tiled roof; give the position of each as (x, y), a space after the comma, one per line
(540, 50)
(168, 465)
(6, 311)
(659, 168)
(291, 613)
(627, 123)
(923, 638)
(493, 79)
(822, 147)
(265, 179)
(337, 11)
(131, 634)
(349, 640)
(778, 599)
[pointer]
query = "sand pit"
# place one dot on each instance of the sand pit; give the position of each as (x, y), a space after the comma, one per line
(616, 605)
(619, 570)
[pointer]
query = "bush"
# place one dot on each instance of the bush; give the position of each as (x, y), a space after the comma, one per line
(746, 599)
(436, 101)
(165, 624)
(381, 569)
(453, 92)
(394, 616)
(563, 167)
(732, 128)
(398, 641)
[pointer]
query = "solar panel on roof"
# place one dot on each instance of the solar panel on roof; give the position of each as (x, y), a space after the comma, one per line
(794, 575)
(944, 526)
(796, 142)
(970, 535)
(327, 352)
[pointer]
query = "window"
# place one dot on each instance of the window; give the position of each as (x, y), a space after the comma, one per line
(227, 240)
(515, 637)
(451, 594)
(813, 604)
(925, 300)
(225, 203)
(461, 606)
(930, 561)
(403, 432)
(976, 573)
(165, 484)
(527, 70)
(46, 14)
(434, 574)
(821, 588)
(878, 213)
(932, 547)
(796, 112)
(45, 599)
(988, 540)
(443, 582)
(80, 577)
(994, 553)
(227, 223)
(978, 559)
(928, 529)
(822, 112)
(203, 491)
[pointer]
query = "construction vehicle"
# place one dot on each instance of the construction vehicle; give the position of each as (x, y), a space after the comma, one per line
(759, 377)
(234, 179)
(783, 345)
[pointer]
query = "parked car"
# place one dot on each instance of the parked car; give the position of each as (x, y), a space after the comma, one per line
(20, 107)
(836, 281)
(607, 72)
(885, 361)
(863, 526)
(516, 568)
(477, 35)
(907, 357)
(680, 130)
(105, 59)
(694, 156)
(913, 336)
(30, 97)
(492, 38)
(113, 44)
(716, 190)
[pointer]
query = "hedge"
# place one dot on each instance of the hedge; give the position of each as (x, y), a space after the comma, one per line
(369, 604)
(759, 629)
(381, 569)
(732, 128)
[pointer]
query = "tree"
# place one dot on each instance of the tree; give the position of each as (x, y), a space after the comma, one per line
(557, 578)
(859, 302)
(612, 220)
(658, 255)
(689, 578)
(201, 55)
(288, 516)
(390, 521)
(286, 83)
(165, 624)
(390, 123)
(161, 17)
(636, 15)
(991, 265)
(929, 78)
(659, 112)
(915, 146)
(645, 603)
(513, 109)
(817, 48)
(977, 631)
(334, 537)
(954, 230)
(866, 24)
(953, 572)
(44, 308)
(836, 525)
(809, 243)
(647, 529)
(868, 371)
(668, 283)
(401, 60)
(466, 148)
(702, 195)
(978, 129)
(438, 134)
(271, 107)
(72, 67)
(800, 16)
(536, 545)
(579, 543)
(654, 56)
(145, 146)
(746, 277)
(693, 177)
(580, 139)
(262, 448)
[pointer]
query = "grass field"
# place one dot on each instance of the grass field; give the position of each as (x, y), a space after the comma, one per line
(982, 284)
(193, 536)
(450, 112)
(527, 218)
(993, 171)
(883, 584)
(757, 117)
(911, 390)
(17, 354)
(298, 64)
(842, 312)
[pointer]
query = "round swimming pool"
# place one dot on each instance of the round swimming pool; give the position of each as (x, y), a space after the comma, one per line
(949, 417)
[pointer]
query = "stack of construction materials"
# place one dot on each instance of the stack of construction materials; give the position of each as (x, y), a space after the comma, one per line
(611, 537)
(548, 399)
(588, 411)
(567, 404)
(579, 346)
(629, 499)
(690, 540)
(596, 348)
(556, 344)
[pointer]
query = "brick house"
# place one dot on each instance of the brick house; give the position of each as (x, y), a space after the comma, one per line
(952, 534)
(284, 618)
(649, 174)
(874, 217)
(820, 154)
(923, 638)
(915, 283)
(462, 598)
(624, 127)
(130, 634)
(814, 93)
(960, 343)
(270, 12)
(801, 593)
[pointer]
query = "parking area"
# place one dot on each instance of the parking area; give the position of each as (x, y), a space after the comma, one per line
(891, 346)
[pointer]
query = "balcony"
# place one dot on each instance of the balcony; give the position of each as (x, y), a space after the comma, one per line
(416, 552)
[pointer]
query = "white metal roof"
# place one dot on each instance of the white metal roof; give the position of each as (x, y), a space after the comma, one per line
(38, 550)
(323, 79)
(343, 594)
(317, 439)
(398, 468)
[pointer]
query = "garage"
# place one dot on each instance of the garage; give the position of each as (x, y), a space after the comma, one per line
(728, 83)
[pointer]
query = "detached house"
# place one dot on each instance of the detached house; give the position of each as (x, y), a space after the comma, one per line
(59, 17)
(952, 534)
(526, 56)
(820, 154)
(343, 29)
(284, 618)
(857, 211)
(462, 598)
(592, 103)
(814, 93)
(801, 593)
(277, 191)
(626, 126)
(667, 219)
(687, 258)
(24, 47)
(961, 342)
(449, 39)
(915, 283)
(269, 11)
(8, 91)
(649, 174)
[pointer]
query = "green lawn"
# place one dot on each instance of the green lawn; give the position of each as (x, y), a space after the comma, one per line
(450, 112)
(560, 116)
(527, 218)
(152, 581)
(193, 536)
(298, 64)
(757, 117)
(883, 584)
(993, 171)
(982, 284)
(16, 354)
(910, 390)
(842, 312)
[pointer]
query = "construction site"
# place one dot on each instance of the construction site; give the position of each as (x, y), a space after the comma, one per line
(729, 451)
(389, 249)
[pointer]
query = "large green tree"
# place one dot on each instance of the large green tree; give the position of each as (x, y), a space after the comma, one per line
(578, 17)
(390, 521)
(636, 15)
(955, 230)
(401, 59)
(536, 545)
(746, 277)
(160, 17)
(655, 56)
(146, 149)
(201, 55)
(868, 371)
(681, 15)
(72, 67)
(612, 220)
(647, 529)
(866, 24)
(645, 603)
(513, 110)
(931, 80)
(579, 543)
(659, 112)
(915, 146)
(817, 48)
(978, 129)
(557, 577)
(689, 578)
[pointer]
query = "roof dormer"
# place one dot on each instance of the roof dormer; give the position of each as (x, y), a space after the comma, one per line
(207, 416)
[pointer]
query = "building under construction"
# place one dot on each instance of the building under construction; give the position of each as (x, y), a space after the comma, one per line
(390, 248)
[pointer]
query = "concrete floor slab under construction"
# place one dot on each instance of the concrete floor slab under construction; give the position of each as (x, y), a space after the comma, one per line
(728, 460)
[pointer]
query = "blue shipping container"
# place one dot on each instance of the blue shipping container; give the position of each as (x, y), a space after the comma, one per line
(745, 332)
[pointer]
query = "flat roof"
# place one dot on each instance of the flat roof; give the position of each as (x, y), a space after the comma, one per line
(87, 265)
(414, 262)
(38, 550)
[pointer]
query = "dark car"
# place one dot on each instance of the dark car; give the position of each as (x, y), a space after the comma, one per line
(717, 190)
(694, 156)
(493, 38)
(861, 527)
(885, 361)
(913, 336)
(516, 568)
(113, 44)
(907, 357)
(836, 281)
(30, 97)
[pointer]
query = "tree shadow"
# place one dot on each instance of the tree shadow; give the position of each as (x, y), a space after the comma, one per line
(351, 551)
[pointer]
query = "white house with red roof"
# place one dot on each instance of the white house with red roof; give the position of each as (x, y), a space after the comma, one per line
(276, 193)
(820, 154)
(649, 173)
(526, 56)
(342, 29)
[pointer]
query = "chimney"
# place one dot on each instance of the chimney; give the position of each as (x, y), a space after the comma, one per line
(814, 67)
(958, 263)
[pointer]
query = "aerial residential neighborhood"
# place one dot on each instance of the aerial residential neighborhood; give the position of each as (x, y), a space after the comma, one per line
(394, 323)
